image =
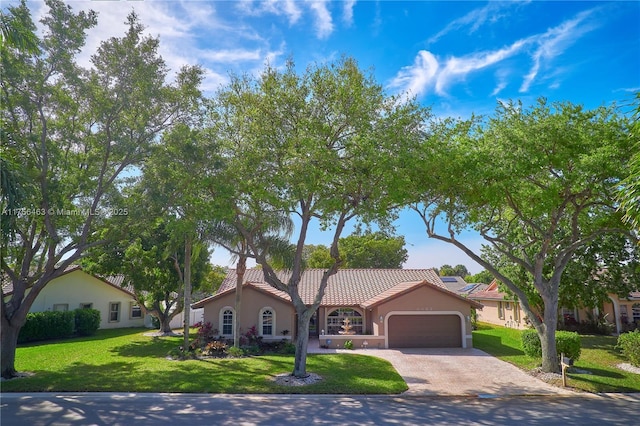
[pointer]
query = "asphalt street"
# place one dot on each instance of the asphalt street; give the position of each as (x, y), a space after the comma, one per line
(187, 409)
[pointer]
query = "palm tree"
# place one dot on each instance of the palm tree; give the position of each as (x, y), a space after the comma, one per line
(276, 244)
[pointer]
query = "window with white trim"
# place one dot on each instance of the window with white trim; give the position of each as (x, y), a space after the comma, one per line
(135, 312)
(61, 307)
(114, 312)
(336, 318)
(500, 310)
(86, 306)
(227, 320)
(267, 321)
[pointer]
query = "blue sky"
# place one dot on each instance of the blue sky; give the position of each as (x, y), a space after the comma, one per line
(456, 57)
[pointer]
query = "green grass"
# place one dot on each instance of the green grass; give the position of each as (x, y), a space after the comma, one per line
(125, 360)
(599, 358)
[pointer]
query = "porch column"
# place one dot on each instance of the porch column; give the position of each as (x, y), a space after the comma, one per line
(616, 314)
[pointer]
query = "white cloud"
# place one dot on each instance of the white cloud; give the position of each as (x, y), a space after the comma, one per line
(491, 12)
(231, 55)
(323, 21)
(287, 8)
(347, 11)
(429, 72)
(456, 68)
(554, 42)
(417, 78)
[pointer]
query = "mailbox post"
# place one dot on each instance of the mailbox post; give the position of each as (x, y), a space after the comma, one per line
(565, 362)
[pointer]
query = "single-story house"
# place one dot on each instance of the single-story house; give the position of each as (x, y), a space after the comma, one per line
(460, 286)
(501, 309)
(623, 313)
(385, 308)
(111, 295)
(77, 289)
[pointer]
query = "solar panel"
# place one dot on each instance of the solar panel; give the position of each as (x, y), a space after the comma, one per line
(449, 279)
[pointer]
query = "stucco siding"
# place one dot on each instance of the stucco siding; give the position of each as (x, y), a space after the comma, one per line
(253, 301)
(77, 288)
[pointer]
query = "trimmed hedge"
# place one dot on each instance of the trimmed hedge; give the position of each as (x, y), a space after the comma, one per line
(629, 344)
(47, 325)
(567, 342)
(87, 321)
(57, 325)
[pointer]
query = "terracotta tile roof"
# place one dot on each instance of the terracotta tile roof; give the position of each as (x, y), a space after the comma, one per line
(116, 281)
(262, 287)
(347, 287)
(490, 293)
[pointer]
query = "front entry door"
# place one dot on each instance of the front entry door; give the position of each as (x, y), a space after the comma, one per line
(313, 325)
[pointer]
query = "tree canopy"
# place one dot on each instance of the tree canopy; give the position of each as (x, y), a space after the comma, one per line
(74, 131)
(546, 192)
(361, 250)
(322, 145)
(452, 271)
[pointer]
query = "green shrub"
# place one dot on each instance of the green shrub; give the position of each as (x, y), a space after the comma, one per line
(288, 348)
(567, 343)
(87, 321)
(629, 344)
(348, 344)
(235, 352)
(531, 343)
(47, 325)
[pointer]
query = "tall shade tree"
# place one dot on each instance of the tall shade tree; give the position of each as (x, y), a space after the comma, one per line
(153, 264)
(373, 250)
(361, 250)
(630, 190)
(75, 131)
(175, 180)
(323, 145)
(536, 183)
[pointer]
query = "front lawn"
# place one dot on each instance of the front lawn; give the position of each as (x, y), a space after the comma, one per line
(599, 358)
(124, 360)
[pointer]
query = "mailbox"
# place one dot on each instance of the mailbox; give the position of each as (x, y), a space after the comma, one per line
(565, 360)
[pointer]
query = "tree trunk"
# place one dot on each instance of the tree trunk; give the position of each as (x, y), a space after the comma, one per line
(550, 362)
(9, 341)
(165, 324)
(187, 292)
(240, 270)
(302, 342)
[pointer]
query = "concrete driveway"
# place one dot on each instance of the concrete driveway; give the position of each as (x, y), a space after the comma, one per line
(459, 372)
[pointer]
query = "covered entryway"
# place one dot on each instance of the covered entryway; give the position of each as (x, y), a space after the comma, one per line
(424, 331)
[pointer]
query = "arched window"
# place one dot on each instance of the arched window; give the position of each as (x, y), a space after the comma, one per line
(227, 320)
(335, 320)
(267, 321)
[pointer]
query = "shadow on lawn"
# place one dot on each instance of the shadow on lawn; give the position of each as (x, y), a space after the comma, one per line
(154, 347)
(494, 345)
(100, 335)
(604, 343)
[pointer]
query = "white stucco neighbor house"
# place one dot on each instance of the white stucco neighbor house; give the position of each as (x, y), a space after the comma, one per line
(77, 289)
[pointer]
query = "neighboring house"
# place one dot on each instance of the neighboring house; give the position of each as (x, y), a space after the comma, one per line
(499, 308)
(76, 289)
(460, 286)
(386, 308)
(623, 313)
